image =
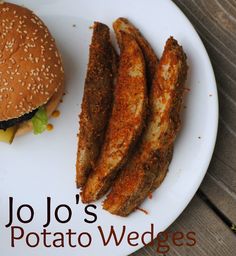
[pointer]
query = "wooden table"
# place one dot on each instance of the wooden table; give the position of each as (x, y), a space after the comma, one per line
(212, 212)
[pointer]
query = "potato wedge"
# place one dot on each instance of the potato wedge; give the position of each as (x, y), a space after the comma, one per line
(97, 101)
(123, 24)
(126, 121)
(147, 168)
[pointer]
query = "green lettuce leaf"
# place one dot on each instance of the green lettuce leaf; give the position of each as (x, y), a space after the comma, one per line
(40, 121)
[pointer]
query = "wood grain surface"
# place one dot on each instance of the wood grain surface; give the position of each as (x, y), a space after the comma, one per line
(212, 212)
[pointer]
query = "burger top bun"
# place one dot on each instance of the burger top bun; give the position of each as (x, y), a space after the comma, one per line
(30, 65)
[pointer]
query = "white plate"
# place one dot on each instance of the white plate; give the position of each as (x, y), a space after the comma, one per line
(35, 167)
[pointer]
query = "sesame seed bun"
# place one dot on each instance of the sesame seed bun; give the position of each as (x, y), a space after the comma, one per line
(31, 71)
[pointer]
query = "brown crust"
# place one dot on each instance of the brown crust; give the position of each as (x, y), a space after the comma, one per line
(148, 167)
(30, 65)
(123, 24)
(27, 126)
(126, 121)
(97, 101)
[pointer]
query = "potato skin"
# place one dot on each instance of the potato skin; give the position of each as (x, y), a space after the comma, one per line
(97, 101)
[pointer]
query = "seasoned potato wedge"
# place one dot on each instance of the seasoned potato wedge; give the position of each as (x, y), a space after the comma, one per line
(97, 101)
(126, 122)
(148, 166)
(123, 24)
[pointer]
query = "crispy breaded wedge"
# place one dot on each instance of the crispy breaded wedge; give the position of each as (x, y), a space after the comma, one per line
(123, 24)
(126, 122)
(147, 168)
(97, 101)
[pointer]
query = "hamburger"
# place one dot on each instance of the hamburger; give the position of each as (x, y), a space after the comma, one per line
(31, 72)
